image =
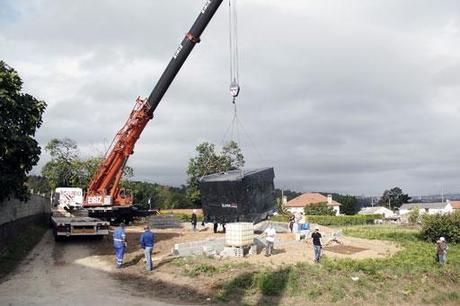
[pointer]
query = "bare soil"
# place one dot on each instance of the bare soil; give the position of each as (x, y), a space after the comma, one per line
(82, 271)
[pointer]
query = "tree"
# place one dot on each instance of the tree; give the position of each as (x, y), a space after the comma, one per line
(160, 196)
(209, 161)
(393, 198)
(319, 209)
(67, 169)
(349, 204)
(20, 117)
(61, 170)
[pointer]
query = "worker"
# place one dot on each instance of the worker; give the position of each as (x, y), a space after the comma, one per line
(194, 220)
(317, 245)
(147, 241)
(270, 233)
(291, 222)
(441, 251)
(120, 244)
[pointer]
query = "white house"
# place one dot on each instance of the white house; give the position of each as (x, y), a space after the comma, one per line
(427, 208)
(455, 205)
(380, 210)
(297, 205)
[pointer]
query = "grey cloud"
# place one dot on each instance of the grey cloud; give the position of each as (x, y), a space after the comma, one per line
(350, 97)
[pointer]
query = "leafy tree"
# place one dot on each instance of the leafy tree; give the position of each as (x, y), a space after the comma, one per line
(209, 161)
(349, 204)
(21, 115)
(160, 196)
(67, 169)
(61, 170)
(393, 198)
(319, 209)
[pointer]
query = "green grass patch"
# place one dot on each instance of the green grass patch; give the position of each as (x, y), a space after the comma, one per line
(17, 250)
(195, 266)
(410, 276)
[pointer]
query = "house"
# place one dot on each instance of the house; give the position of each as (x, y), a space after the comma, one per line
(427, 208)
(455, 205)
(378, 210)
(297, 205)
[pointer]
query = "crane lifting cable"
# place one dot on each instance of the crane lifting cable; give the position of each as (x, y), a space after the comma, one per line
(233, 36)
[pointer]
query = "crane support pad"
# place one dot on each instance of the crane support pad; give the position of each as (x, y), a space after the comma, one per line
(238, 195)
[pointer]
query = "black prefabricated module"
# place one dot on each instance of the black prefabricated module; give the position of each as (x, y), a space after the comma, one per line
(238, 195)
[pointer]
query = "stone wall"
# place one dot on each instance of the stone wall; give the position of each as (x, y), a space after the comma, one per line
(16, 215)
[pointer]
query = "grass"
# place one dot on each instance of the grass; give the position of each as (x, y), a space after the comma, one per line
(16, 251)
(194, 267)
(410, 276)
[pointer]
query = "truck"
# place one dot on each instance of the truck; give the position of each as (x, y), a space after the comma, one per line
(69, 218)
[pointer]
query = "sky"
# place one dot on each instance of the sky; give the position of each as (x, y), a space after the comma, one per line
(338, 96)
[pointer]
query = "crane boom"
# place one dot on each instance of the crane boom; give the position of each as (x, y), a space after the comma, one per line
(104, 188)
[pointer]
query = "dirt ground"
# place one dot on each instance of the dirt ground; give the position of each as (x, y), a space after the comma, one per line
(82, 271)
(287, 251)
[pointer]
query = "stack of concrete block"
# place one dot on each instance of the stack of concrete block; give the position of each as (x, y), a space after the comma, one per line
(206, 247)
(232, 252)
(164, 221)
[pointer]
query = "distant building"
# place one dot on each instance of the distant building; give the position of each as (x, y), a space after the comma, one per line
(455, 205)
(297, 205)
(427, 208)
(380, 210)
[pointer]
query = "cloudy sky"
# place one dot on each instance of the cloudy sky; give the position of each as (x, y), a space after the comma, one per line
(345, 96)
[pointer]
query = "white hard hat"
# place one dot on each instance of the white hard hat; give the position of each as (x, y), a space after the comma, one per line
(442, 239)
(194, 211)
(317, 228)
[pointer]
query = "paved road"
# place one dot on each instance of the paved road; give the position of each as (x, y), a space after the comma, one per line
(67, 274)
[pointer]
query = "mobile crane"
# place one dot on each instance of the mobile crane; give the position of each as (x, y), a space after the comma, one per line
(104, 198)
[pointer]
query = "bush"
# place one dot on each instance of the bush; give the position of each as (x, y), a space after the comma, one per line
(344, 220)
(414, 215)
(319, 209)
(441, 225)
(280, 218)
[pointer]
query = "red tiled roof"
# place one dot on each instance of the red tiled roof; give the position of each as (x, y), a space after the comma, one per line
(455, 204)
(308, 199)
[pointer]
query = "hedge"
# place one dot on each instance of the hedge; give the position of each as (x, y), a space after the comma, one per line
(441, 225)
(343, 220)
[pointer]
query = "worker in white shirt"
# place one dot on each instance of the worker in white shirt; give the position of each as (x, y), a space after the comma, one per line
(270, 234)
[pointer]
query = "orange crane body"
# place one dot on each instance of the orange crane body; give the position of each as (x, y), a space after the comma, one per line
(104, 188)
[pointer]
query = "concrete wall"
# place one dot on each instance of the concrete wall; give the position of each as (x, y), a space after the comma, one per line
(15, 215)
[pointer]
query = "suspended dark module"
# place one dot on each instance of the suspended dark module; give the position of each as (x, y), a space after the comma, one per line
(238, 195)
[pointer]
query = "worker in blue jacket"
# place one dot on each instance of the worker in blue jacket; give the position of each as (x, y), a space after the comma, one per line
(147, 241)
(119, 244)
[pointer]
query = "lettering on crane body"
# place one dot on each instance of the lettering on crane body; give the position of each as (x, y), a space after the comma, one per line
(229, 205)
(95, 200)
(179, 49)
(205, 7)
